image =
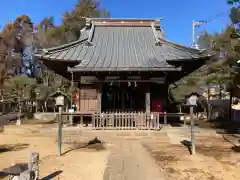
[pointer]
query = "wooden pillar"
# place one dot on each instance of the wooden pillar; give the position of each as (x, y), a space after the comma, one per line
(167, 97)
(79, 102)
(147, 101)
(3, 107)
(100, 98)
(78, 98)
(79, 95)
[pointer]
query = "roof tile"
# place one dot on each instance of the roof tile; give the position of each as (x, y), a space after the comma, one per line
(121, 48)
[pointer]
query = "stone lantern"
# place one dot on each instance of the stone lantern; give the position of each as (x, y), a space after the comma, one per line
(60, 102)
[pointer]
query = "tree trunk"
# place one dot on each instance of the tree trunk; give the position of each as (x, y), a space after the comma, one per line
(208, 98)
(230, 104)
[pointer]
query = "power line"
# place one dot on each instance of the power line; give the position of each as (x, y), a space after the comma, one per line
(198, 24)
(215, 17)
(202, 22)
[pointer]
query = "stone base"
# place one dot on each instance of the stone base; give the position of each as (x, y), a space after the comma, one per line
(18, 122)
(45, 116)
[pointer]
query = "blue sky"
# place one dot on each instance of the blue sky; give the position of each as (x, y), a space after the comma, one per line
(177, 14)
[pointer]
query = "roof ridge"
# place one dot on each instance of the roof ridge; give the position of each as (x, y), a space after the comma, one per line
(123, 22)
(129, 19)
(189, 49)
(76, 42)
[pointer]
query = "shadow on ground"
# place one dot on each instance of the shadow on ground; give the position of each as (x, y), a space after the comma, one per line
(52, 175)
(3, 174)
(216, 151)
(1, 129)
(94, 144)
(36, 122)
(235, 147)
(187, 144)
(172, 121)
(225, 126)
(15, 169)
(12, 147)
(164, 153)
(221, 123)
(19, 168)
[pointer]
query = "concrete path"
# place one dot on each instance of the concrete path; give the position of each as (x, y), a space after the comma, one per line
(130, 161)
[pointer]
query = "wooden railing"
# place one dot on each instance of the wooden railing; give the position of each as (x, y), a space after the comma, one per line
(126, 120)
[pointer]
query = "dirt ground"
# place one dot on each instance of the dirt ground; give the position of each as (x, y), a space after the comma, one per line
(215, 158)
(80, 161)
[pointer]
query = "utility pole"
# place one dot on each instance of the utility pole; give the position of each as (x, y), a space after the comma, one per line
(196, 24)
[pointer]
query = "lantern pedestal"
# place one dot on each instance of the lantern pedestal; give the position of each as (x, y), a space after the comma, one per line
(60, 104)
(192, 128)
(192, 103)
(18, 122)
(71, 116)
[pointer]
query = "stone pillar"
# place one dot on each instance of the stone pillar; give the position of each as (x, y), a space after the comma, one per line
(34, 164)
(27, 175)
(148, 101)
(71, 119)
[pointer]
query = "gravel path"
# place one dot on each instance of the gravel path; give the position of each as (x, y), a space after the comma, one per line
(130, 161)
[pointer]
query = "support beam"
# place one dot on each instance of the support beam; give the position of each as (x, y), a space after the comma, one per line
(71, 116)
(100, 98)
(79, 100)
(147, 101)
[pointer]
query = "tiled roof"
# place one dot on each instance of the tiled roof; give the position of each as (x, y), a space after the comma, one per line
(116, 45)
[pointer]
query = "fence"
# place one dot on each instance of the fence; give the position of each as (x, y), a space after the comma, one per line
(126, 120)
(122, 120)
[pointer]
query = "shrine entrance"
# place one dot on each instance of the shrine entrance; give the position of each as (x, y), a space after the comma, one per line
(123, 97)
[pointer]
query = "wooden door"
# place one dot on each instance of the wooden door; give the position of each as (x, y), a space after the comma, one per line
(88, 101)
